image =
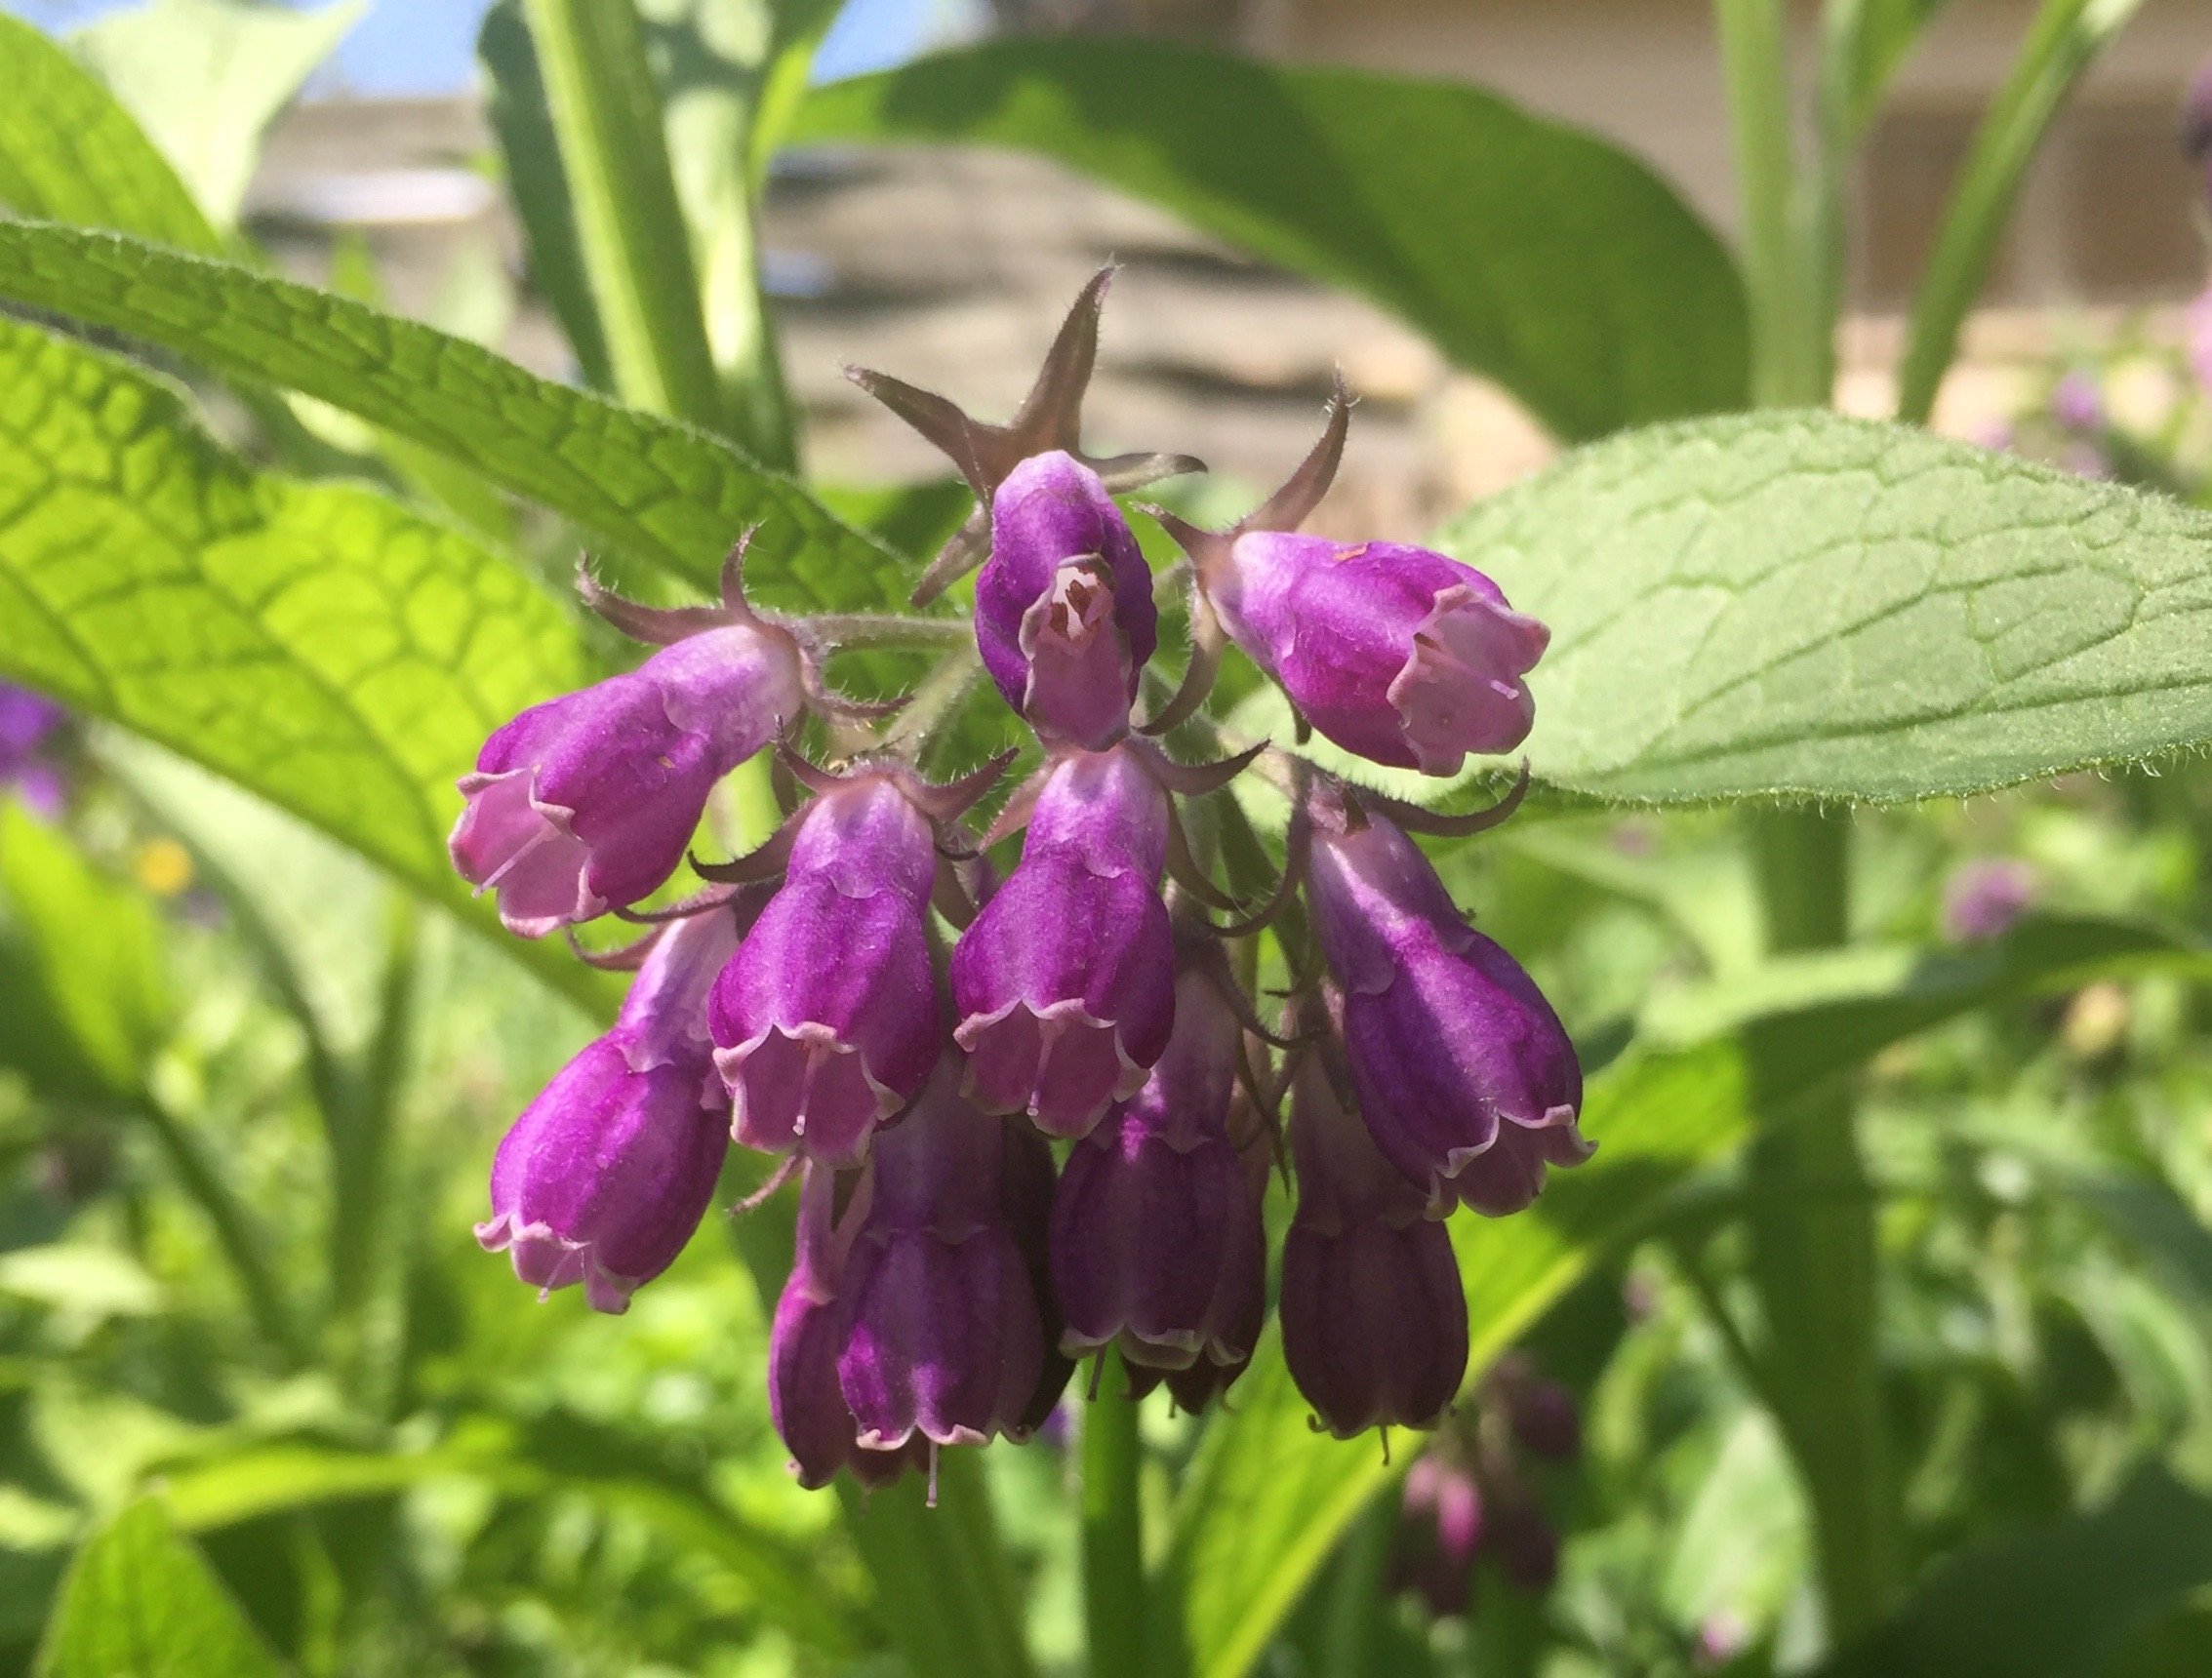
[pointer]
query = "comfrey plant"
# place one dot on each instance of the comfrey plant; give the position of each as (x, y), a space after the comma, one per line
(867, 997)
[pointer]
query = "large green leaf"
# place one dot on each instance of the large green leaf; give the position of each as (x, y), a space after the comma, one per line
(1799, 604)
(71, 152)
(206, 77)
(317, 644)
(653, 487)
(1268, 1498)
(1532, 252)
(2058, 1601)
(140, 1602)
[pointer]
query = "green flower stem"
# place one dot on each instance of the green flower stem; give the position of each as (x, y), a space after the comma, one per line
(1113, 1531)
(890, 629)
(1355, 1591)
(1810, 1217)
(636, 252)
(1811, 1223)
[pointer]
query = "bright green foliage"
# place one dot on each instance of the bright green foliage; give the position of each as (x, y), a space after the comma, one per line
(140, 1602)
(653, 487)
(69, 152)
(1268, 1498)
(207, 76)
(84, 1000)
(1528, 251)
(318, 644)
(1804, 604)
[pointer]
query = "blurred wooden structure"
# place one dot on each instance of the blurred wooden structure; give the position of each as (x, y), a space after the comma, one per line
(950, 267)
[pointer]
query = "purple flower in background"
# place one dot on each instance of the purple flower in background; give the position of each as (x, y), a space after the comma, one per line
(828, 1021)
(943, 1336)
(585, 803)
(1374, 1320)
(1064, 618)
(1404, 656)
(1439, 1532)
(1152, 1200)
(1467, 1080)
(27, 723)
(2077, 404)
(1983, 897)
(607, 1174)
(1065, 984)
(2199, 332)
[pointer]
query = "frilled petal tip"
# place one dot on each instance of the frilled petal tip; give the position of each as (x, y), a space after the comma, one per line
(1461, 690)
(802, 1087)
(1062, 1067)
(507, 841)
(550, 1262)
(1506, 1173)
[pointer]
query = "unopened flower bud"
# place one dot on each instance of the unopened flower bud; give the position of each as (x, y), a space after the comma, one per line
(1439, 1530)
(1064, 618)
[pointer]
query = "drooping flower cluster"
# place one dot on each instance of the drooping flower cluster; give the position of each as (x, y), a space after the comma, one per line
(1476, 1491)
(918, 1029)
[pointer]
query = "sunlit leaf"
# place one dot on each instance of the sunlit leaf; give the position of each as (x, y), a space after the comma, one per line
(140, 1602)
(317, 644)
(1803, 604)
(655, 487)
(71, 152)
(206, 77)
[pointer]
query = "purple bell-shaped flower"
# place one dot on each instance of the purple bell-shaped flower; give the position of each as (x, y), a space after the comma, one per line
(1399, 653)
(1153, 1204)
(828, 1021)
(1467, 1080)
(804, 1396)
(607, 1174)
(943, 1337)
(1065, 619)
(1373, 1316)
(1065, 984)
(585, 803)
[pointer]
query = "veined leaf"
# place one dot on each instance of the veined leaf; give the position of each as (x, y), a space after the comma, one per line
(1268, 1498)
(654, 487)
(207, 76)
(71, 152)
(1803, 605)
(1534, 253)
(142, 1601)
(315, 643)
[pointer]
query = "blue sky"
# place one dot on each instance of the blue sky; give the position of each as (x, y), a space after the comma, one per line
(429, 46)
